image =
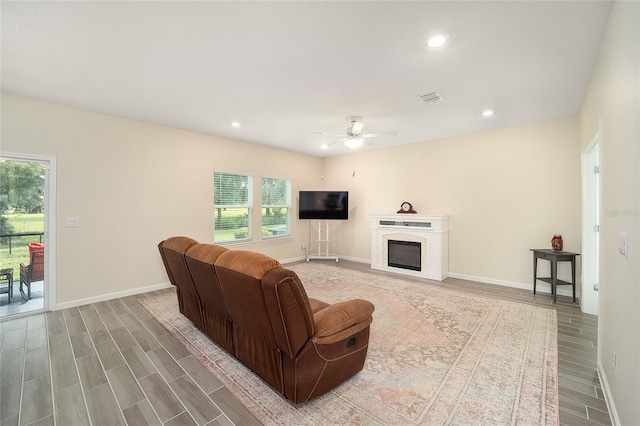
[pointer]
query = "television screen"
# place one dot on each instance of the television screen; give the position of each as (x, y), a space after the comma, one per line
(323, 205)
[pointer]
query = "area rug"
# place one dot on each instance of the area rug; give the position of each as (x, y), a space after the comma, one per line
(436, 357)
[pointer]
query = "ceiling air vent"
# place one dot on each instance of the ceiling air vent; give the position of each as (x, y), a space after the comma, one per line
(431, 98)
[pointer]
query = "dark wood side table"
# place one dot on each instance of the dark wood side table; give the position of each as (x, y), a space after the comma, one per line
(554, 257)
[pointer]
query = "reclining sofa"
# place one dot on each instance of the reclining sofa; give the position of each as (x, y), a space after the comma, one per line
(259, 312)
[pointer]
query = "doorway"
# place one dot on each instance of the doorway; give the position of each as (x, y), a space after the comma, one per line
(591, 226)
(27, 215)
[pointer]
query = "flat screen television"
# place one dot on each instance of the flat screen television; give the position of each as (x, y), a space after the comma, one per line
(323, 205)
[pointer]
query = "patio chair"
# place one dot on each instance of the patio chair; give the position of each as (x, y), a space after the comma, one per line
(6, 283)
(32, 272)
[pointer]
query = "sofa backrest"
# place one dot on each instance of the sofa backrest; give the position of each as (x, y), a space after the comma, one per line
(172, 251)
(200, 260)
(289, 310)
(250, 284)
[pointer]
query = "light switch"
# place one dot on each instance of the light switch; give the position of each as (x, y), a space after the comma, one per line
(623, 244)
(72, 222)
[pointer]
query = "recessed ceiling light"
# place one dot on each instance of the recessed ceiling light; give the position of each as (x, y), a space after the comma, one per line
(437, 40)
(324, 146)
(487, 113)
(235, 124)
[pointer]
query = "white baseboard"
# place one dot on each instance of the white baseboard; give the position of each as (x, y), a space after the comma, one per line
(291, 260)
(356, 259)
(615, 420)
(103, 297)
(331, 257)
(564, 290)
(540, 288)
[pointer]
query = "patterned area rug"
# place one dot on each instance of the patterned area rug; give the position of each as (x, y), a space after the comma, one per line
(436, 357)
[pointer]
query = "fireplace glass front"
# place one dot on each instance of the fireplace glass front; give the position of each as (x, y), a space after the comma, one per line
(404, 254)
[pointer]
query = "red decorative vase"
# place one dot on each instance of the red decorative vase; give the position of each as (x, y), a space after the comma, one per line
(556, 242)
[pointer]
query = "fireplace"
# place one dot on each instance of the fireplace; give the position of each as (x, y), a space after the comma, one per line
(411, 244)
(404, 254)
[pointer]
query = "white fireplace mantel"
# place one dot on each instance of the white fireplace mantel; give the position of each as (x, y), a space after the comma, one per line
(430, 230)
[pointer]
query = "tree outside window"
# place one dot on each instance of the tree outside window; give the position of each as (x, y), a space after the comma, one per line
(276, 207)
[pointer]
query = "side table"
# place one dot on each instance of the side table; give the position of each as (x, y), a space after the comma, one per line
(554, 257)
(7, 275)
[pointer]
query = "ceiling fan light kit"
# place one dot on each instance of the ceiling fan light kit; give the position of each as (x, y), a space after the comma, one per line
(354, 138)
(354, 142)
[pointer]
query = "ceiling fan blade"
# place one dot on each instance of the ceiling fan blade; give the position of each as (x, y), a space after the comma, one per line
(327, 145)
(330, 134)
(378, 134)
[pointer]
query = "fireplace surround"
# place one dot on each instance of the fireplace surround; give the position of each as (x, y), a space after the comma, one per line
(426, 236)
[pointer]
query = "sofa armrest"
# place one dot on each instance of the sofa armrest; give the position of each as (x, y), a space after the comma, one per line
(341, 320)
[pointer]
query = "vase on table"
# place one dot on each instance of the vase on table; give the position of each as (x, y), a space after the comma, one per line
(556, 242)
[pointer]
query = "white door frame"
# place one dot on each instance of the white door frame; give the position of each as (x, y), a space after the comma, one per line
(591, 226)
(49, 221)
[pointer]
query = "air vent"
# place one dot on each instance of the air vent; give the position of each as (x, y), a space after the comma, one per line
(431, 98)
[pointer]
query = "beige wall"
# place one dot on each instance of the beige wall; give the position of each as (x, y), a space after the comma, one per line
(613, 99)
(507, 191)
(133, 184)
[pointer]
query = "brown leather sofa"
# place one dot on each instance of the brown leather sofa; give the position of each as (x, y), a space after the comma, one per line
(259, 311)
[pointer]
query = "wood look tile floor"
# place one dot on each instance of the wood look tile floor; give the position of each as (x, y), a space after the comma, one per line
(111, 363)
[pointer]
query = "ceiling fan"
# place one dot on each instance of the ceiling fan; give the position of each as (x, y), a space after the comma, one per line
(354, 138)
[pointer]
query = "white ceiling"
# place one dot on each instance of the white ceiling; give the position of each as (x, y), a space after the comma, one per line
(287, 69)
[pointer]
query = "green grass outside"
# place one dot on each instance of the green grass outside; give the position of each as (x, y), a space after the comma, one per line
(35, 223)
(19, 250)
(229, 235)
(26, 222)
(232, 217)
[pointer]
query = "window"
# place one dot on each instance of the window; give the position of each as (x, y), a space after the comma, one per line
(233, 202)
(276, 207)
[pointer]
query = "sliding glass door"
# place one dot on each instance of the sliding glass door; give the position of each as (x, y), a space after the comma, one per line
(25, 249)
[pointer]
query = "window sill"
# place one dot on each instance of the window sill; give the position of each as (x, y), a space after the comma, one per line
(262, 240)
(276, 238)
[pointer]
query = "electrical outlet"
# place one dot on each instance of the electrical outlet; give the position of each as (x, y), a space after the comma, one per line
(614, 361)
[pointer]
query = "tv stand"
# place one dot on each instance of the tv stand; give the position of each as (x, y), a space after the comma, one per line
(322, 241)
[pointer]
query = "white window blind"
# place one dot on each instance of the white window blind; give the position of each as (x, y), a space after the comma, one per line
(232, 201)
(276, 207)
